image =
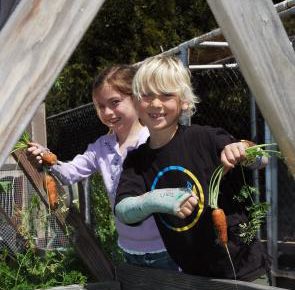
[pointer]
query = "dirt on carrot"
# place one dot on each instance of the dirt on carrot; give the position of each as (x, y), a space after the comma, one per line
(220, 224)
(49, 158)
(50, 187)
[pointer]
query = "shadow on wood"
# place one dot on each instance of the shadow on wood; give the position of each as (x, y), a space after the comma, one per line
(134, 278)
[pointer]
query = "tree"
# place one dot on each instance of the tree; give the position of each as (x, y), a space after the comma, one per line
(126, 32)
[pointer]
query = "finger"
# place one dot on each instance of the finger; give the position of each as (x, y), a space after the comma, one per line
(180, 215)
(226, 163)
(186, 211)
(187, 207)
(32, 148)
(193, 200)
(232, 153)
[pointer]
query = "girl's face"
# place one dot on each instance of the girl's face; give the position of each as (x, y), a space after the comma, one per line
(160, 112)
(114, 109)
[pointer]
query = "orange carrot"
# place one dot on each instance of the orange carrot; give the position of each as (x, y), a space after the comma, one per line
(50, 187)
(219, 222)
(49, 158)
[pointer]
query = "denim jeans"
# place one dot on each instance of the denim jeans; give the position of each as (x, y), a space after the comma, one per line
(160, 260)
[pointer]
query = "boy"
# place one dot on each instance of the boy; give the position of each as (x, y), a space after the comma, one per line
(169, 175)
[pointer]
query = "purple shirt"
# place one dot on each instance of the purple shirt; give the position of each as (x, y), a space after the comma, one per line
(104, 156)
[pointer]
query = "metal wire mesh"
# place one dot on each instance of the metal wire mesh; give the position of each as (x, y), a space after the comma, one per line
(225, 102)
(70, 132)
(27, 213)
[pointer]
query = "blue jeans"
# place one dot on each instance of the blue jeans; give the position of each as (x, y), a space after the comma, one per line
(160, 260)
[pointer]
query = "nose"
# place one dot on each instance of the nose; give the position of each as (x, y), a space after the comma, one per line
(107, 111)
(156, 102)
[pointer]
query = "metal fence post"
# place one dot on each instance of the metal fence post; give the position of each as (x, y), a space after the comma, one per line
(183, 56)
(271, 189)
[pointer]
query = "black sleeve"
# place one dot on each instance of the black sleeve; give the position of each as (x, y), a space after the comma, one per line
(131, 181)
(220, 138)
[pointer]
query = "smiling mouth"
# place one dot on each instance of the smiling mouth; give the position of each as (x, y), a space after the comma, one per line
(114, 121)
(157, 115)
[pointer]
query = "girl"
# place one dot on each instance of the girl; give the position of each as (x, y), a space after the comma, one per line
(112, 97)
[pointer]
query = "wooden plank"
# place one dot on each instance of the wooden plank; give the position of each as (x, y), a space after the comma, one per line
(134, 278)
(87, 245)
(261, 46)
(38, 126)
(36, 42)
(111, 285)
(88, 248)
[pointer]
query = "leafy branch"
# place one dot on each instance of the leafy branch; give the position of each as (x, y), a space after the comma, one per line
(256, 212)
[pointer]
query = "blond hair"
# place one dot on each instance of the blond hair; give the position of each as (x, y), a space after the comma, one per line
(165, 75)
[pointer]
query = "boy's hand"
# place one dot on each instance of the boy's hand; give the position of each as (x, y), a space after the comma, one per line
(232, 154)
(187, 207)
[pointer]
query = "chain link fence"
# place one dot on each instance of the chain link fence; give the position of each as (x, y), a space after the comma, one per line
(225, 102)
(23, 216)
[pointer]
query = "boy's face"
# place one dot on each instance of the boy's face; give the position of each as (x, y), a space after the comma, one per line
(114, 109)
(160, 112)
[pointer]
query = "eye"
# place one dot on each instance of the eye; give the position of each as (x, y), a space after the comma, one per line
(115, 103)
(168, 95)
(145, 96)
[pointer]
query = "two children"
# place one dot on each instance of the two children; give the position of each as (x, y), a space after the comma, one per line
(168, 177)
(113, 100)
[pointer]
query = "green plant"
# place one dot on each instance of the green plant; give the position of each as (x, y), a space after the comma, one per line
(35, 269)
(23, 142)
(103, 219)
(32, 270)
(257, 210)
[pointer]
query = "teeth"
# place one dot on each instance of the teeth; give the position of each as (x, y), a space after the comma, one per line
(156, 115)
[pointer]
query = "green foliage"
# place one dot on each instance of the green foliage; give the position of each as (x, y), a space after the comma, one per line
(36, 269)
(126, 32)
(71, 89)
(256, 211)
(23, 142)
(102, 216)
(32, 270)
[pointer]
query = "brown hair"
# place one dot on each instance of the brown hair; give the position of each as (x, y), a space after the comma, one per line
(119, 77)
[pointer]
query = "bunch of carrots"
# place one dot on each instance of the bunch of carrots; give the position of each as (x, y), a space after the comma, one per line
(48, 159)
(218, 215)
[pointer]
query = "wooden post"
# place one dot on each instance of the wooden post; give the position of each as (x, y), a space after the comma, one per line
(36, 41)
(266, 58)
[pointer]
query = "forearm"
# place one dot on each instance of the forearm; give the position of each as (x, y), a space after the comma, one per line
(71, 172)
(135, 209)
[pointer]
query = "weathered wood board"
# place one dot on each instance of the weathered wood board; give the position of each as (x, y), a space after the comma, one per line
(36, 42)
(266, 58)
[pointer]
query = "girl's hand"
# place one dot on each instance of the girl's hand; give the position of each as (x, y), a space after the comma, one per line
(35, 152)
(232, 154)
(187, 207)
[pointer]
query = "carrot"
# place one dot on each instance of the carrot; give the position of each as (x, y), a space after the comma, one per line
(220, 224)
(50, 187)
(49, 158)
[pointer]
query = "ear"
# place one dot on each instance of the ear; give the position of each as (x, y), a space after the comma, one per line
(184, 106)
